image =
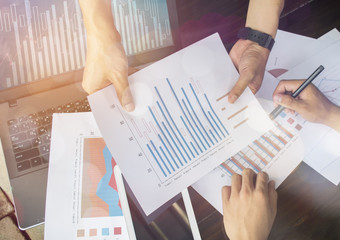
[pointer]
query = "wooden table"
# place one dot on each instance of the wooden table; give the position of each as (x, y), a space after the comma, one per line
(308, 204)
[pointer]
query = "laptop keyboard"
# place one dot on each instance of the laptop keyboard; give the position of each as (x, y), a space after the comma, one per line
(31, 134)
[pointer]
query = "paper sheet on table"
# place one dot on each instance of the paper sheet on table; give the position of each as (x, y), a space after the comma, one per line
(183, 126)
(292, 49)
(321, 143)
(278, 152)
(82, 200)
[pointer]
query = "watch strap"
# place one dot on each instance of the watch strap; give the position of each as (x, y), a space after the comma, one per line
(263, 39)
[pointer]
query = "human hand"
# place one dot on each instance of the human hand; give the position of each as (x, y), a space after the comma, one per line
(250, 59)
(311, 104)
(106, 64)
(249, 206)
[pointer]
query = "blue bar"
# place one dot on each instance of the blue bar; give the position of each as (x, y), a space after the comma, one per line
(180, 105)
(249, 163)
(175, 144)
(194, 148)
(218, 119)
(192, 109)
(156, 159)
(213, 136)
(192, 89)
(195, 125)
(190, 133)
(274, 135)
(262, 149)
(154, 118)
(168, 150)
(236, 164)
(226, 170)
(216, 125)
(160, 147)
(270, 143)
(160, 157)
(173, 123)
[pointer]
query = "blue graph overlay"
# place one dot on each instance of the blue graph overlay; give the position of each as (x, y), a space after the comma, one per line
(185, 135)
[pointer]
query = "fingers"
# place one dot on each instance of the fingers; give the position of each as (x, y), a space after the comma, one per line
(248, 179)
(236, 183)
(124, 93)
(226, 192)
(288, 102)
(285, 86)
(239, 87)
(272, 195)
(262, 182)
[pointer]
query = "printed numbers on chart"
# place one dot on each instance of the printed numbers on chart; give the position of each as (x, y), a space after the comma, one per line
(130, 139)
(149, 170)
(122, 122)
(140, 154)
(222, 175)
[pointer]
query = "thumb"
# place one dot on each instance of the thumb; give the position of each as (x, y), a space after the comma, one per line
(239, 87)
(124, 95)
(288, 102)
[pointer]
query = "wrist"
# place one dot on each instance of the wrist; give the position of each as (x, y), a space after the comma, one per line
(263, 15)
(98, 19)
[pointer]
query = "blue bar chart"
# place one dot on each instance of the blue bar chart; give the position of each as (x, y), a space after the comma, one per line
(41, 39)
(182, 127)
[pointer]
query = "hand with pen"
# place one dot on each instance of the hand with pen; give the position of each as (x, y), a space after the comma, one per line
(249, 206)
(311, 104)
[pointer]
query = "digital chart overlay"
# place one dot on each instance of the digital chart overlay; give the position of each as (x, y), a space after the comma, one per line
(41, 39)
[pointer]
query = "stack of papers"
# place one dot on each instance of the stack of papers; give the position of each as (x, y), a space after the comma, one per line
(184, 132)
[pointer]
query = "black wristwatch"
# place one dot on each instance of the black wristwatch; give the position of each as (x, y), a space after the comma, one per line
(263, 39)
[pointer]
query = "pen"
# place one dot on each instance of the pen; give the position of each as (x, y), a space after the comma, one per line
(280, 108)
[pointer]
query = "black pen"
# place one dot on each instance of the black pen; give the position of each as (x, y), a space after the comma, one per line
(280, 108)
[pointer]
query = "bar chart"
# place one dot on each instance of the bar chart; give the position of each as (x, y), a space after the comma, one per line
(259, 153)
(40, 39)
(176, 135)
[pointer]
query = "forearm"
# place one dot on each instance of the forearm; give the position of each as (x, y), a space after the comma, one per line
(263, 15)
(98, 19)
(333, 120)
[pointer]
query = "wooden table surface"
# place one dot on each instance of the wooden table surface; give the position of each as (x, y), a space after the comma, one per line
(308, 204)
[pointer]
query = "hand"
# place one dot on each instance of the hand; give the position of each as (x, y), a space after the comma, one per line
(250, 59)
(311, 104)
(106, 63)
(249, 206)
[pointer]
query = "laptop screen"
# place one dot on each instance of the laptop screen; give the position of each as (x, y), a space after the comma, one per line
(43, 39)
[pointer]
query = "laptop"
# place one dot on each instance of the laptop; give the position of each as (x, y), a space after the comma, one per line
(42, 55)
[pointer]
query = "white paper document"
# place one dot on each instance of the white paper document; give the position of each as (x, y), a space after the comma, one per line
(278, 152)
(183, 126)
(82, 198)
(292, 49)
(321, 143)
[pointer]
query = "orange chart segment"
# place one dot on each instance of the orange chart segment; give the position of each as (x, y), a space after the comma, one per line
(259, 153)
(99, 190)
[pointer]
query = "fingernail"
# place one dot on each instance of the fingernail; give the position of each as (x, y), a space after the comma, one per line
(233, 98)
(277, 98)
(129, 107)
